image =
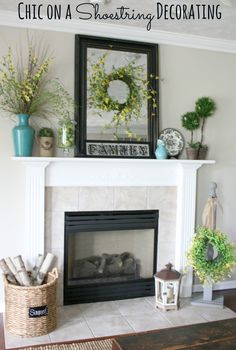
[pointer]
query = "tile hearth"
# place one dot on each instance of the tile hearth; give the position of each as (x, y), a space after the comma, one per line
(84, 321)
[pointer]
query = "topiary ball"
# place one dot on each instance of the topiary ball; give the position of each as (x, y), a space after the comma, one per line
(205, 107)
(191, 121)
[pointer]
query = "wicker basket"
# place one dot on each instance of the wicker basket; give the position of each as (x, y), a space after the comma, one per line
(31, 311)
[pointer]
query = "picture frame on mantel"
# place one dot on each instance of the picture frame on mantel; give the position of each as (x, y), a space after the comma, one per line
(116, 91)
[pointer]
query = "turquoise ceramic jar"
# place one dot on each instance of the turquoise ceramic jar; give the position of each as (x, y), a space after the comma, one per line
(161, 151)
(23, 137)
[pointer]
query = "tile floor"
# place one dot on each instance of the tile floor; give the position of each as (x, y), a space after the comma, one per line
(119, 317)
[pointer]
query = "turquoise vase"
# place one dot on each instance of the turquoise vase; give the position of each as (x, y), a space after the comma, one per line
(23, 137)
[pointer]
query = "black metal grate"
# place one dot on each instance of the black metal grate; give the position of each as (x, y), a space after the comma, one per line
(76, 222)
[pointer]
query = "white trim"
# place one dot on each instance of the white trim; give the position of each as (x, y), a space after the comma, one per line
(217, 286)
(98, 160)
(9, 18)
(34, 210)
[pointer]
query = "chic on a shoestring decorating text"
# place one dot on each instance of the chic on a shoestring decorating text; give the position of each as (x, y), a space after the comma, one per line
(94, 11)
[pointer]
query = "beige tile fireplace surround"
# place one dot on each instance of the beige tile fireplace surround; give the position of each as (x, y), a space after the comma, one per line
(61, 199)
(56, 185)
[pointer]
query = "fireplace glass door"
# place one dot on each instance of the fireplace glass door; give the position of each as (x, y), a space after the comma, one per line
(109, 255)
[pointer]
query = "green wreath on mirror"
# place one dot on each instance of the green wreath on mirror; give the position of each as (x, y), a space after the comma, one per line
(215, 270)
(139, 90)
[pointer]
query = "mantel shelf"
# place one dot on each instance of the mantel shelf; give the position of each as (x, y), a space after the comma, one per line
(69, 172)
(89, 160)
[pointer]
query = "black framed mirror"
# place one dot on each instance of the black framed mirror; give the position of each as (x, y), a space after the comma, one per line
(116, 90)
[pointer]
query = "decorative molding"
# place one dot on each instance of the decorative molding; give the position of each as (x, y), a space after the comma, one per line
(69, 172)
(186, 208)
(34, 210)
(9, 18)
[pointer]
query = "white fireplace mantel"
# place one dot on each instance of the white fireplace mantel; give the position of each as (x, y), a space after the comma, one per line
(42, 172)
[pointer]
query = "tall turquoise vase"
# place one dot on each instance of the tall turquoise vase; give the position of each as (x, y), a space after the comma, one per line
(23, 137)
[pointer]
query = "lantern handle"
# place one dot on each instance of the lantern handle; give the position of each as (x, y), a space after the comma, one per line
(169, 266)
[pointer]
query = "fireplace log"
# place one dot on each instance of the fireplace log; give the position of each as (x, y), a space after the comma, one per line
(103, 263)
(7, 272)
(21, 270)
(13, 269)
(37, 266)
(106, 265)
(44, 268)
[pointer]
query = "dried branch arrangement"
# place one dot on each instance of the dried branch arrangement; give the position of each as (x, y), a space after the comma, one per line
(15, 271)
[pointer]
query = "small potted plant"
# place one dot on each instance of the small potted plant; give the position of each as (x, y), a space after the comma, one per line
(204, 107)
(191, 122)
(46, 140)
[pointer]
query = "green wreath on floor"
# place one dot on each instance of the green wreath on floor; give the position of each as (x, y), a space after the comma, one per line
(215, 270)
(139, 89)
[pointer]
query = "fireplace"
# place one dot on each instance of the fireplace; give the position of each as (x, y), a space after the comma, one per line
(86, 184)
(109, 255)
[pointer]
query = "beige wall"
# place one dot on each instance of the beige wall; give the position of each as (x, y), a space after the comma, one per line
(186, 74)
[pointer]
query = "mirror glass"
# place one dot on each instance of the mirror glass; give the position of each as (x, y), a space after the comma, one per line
(109, 113)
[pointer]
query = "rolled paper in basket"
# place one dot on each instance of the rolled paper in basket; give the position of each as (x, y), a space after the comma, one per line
(20, 266)
(7, 272)
(44, 268)
(13, 270)
(37, 266)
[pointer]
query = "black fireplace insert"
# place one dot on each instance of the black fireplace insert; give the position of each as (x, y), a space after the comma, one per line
(109, 255)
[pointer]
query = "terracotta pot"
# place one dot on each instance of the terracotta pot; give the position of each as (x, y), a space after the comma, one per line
(202, 153)
(191, 153)
(46, 146)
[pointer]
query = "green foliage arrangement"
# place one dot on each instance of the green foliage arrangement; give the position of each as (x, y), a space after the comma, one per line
(140, 89)
(191, 122)
(45, 132)
(66, 131)
(25, 86)
(217, 269)
(204, 107)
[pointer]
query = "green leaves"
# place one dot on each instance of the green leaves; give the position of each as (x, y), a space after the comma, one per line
(205, 107)
(190, 121)
(140, 90)
(45, 132)
(24, 87)
(217, 269)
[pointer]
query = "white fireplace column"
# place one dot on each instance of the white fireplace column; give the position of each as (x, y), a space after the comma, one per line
(185, 225)
(63, 172)
(34, 209)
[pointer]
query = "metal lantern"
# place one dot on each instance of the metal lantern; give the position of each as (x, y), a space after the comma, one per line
(167, 283)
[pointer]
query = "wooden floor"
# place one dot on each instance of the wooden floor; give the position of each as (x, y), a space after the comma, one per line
(218, 335)
(226, 340)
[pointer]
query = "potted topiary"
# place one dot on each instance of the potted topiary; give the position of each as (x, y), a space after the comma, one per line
(204, 107)
(46, 140)
(191, 122)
